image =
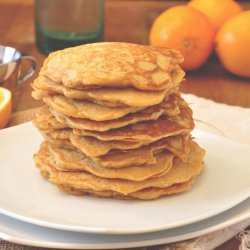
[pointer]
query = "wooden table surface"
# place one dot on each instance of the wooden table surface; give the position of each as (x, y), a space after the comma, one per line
(128, 21)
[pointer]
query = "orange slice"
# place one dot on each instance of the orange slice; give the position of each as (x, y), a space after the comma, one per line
(5, 106)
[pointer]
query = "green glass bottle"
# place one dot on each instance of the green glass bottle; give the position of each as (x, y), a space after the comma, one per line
(65, 23)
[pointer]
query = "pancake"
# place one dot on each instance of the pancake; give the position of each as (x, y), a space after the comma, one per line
(144, 194)
(93, 147)
(114, 123)
(117, 158)
(185, 116)
(110, 153)
(179, 173)
(115, 64)
(168, 107)
(71, 160)
(146, 154)
(46, 120)
(121, 159)
(111, 97)
(61, 143)
(56, 134)
(132, 136)
(38, 94)
(148, 131)
(85, 109)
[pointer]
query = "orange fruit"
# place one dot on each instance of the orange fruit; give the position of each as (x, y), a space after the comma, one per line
(217, 11)
(233, 44)
(5, 106)
(187, 30)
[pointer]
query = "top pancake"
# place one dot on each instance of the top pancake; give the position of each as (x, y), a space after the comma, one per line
(114, 64)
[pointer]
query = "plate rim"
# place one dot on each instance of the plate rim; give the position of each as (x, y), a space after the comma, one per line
(100, 230)
(142, 243)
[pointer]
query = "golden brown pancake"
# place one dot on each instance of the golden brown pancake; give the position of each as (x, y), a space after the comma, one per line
(179, 173)
(38, 94)
(56, 134)
(111, 97)
(138, 134)
(144, 194)
(61, 143)
(115, 65)
(46, 120)
(115, 124)
(146, 154)
(104, 151)
(72, 160)
(121, 159)
(185, 116)
(168, 107)
(93, 147)
(85, 109)
(148, 131)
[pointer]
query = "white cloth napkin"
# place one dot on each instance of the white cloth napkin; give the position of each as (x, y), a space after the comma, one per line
(232, 122)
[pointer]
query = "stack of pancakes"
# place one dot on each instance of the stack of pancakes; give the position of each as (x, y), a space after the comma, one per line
(114, 123)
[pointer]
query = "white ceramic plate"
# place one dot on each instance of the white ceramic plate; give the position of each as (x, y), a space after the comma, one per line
(24, 233)
(26, 196)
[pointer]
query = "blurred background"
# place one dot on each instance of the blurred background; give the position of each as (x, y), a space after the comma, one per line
(127, 21)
